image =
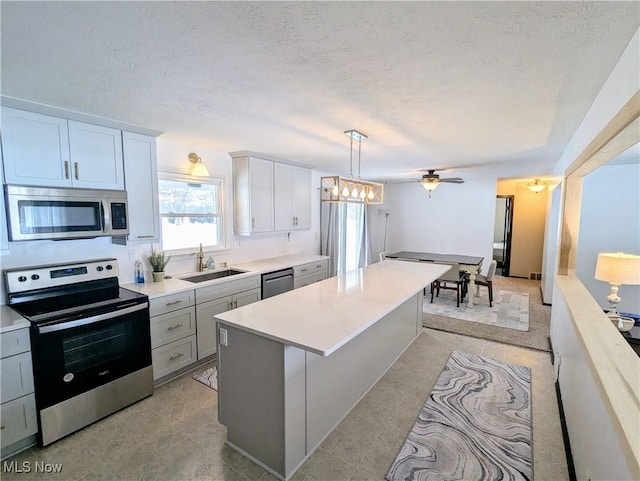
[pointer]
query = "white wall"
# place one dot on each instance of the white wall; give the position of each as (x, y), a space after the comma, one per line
(457, 219)
(172, 157)
(550, 249)
(609, 222)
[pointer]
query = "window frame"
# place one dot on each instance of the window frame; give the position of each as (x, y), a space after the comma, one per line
(220, 181)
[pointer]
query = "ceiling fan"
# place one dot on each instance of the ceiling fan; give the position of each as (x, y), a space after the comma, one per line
(431, 180)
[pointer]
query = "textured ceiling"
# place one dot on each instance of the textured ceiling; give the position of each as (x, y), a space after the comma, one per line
(433, 84)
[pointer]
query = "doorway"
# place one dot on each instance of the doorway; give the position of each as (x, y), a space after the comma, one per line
(502, 233)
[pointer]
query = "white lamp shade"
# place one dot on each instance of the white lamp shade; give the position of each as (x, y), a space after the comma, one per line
(618, 268)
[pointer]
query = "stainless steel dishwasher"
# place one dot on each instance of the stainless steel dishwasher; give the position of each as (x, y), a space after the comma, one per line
(277, 282)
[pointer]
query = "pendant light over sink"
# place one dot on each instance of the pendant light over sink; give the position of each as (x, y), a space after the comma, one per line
(349, 189)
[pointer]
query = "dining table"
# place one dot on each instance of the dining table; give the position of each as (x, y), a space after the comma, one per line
(468, 264)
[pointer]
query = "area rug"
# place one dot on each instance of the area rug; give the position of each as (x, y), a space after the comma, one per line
(539, 318)
(510, 309)
(475, 425)
(208, 377)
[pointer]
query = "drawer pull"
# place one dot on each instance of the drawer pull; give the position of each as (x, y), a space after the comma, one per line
(2, 427)
(176, 356)
(305, 269)
(318, 266)
(173, 303)
(145, 236)
(171, 328)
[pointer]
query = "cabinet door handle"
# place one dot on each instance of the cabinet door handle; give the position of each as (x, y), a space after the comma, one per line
(175, 356)
(145, 236)
(66, 169)
(235, 304)
(77, 170)
(253, 222)
(229, 305)
(2, 427)
(171, 328)
(173, 303)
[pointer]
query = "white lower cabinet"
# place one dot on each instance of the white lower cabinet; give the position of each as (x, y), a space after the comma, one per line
(173, 356)
(173, 333)
(18, 409)
(306, 274)
(219, 298)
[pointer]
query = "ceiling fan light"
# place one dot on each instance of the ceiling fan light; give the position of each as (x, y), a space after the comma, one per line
(430, 186)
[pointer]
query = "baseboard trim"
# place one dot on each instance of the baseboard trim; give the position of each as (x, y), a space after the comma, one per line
(565, 436)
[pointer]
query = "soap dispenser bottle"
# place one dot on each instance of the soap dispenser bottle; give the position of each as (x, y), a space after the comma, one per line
(139, 272)
(211, 263)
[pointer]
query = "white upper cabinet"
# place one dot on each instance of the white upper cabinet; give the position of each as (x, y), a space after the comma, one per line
(269, 195)
(140, 174)
(292, 197)
(53, 152)
(35, 149)
(96, 156)
(253, 195)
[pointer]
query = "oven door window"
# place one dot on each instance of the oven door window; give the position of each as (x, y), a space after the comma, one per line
(46, 216)
(71, 361)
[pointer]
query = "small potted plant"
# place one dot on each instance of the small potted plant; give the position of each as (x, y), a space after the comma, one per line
(158, 261)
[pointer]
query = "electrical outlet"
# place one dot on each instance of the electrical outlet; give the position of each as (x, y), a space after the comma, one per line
(224, 340)
(132, 256)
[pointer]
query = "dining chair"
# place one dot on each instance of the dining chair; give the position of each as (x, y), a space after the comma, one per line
(487, 280)
(450, 280)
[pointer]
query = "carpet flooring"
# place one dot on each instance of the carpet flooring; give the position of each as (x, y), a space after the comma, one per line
(475, 425)
(509, 309)
(537, 337)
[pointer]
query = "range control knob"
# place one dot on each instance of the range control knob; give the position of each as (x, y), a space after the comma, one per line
(99, 268)
(35, 277)
(22, 279)
(109, 267)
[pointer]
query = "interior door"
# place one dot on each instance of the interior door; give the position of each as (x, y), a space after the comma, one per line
(502, 241)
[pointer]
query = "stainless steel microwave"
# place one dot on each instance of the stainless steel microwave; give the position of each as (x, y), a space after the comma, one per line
(36, 213)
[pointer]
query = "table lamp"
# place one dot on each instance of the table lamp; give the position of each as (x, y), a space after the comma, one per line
(618, 269)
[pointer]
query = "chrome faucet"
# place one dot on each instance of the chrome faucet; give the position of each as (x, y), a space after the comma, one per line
(202, 265)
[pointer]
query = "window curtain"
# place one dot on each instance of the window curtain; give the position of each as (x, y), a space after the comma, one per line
(345, 236)
(330, 235)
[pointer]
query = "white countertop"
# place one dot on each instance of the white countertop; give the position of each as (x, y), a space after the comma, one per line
(324, 316)
(11, 320)
(177, 284)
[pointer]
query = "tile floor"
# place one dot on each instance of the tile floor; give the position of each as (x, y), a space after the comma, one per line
(174, 435)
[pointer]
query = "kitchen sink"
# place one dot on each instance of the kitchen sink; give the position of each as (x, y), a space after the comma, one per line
(208, 276)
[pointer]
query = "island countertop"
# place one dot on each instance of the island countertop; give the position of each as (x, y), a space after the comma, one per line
(324, 316)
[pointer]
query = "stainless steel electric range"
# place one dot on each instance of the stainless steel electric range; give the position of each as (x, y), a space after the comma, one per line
(90, 342)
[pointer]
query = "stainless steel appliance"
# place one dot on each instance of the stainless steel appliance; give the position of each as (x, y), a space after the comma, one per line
(36, 213)
(277, 282)
(90, 342)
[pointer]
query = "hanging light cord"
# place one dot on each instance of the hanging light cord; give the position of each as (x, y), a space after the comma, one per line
(359, 149)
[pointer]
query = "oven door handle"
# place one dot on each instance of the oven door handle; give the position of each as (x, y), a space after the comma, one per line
(90, 320)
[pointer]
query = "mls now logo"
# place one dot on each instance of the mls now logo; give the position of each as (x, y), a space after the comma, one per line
(28, 467)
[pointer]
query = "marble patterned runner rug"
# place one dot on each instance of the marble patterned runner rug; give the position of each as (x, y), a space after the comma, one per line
(510, 309)
(475, 425)
(208, 377)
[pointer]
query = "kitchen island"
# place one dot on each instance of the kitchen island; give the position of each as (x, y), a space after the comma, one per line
(291, 367)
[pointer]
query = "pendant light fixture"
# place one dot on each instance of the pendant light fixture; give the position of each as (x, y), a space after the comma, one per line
(536, 186)
(349, 189)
